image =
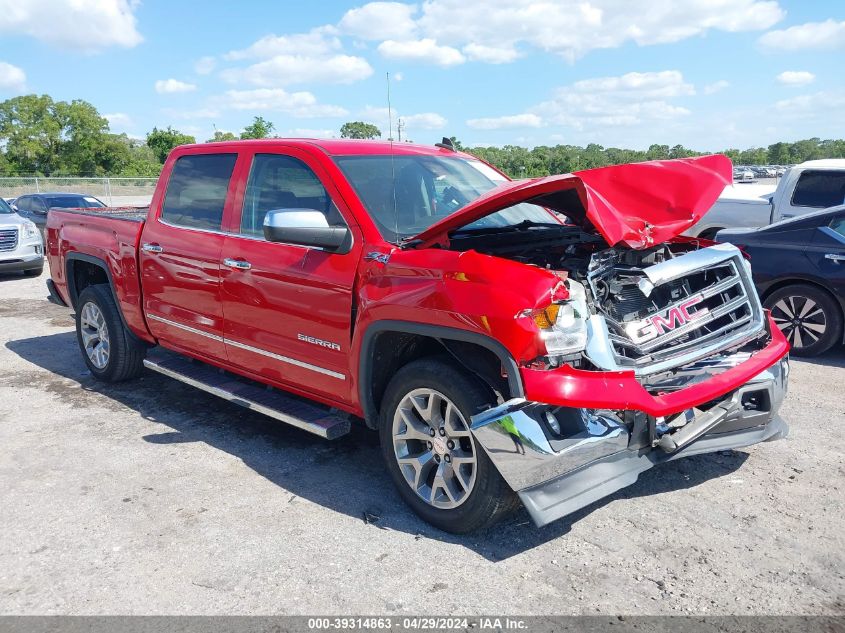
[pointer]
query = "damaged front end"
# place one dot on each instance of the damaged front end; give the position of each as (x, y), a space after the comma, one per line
(652, 356)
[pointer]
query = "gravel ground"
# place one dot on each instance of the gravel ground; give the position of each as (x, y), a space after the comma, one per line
(152, 497)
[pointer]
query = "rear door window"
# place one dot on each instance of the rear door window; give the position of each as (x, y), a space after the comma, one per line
(819, 189)
(196, 192)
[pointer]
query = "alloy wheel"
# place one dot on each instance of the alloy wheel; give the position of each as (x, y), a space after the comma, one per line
(95, 335)
(434, 448)
(802, 320)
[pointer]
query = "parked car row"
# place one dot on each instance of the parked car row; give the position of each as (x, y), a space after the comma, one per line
(752, 172)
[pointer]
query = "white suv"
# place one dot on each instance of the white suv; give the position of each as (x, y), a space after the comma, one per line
(21, 246)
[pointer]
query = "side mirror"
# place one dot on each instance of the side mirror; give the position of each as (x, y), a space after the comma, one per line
(305, 227)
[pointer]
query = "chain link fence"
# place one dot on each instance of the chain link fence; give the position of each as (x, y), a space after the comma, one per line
(112, 191)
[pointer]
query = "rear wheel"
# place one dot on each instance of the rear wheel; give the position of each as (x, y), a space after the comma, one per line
(108, 348)
(432, 457)
(809, 318)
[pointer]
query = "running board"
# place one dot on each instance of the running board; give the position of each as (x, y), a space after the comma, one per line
(252, 395)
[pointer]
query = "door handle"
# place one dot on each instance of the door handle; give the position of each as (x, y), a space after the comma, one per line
(834, 257)
(240, 264)
(152, 248)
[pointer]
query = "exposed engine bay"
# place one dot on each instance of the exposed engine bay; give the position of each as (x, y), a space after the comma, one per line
(610, 275)
(655, 309)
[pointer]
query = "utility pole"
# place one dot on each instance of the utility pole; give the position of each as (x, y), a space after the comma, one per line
(399, 126)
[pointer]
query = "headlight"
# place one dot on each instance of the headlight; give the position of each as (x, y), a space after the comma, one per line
(563, 324)
(29, 230)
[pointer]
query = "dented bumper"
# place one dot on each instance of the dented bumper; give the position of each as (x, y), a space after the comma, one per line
(590, 448)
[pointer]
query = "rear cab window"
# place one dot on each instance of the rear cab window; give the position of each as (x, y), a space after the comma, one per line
(197, 189)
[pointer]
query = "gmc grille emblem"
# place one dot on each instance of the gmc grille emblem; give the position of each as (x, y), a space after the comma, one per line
(658, 324)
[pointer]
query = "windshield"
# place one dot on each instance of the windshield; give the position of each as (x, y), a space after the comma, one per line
(426, 190)
(4, 207)
(73, 202)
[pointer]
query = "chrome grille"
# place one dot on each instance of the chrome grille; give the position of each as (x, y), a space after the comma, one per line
(716, 279)
(8, 239)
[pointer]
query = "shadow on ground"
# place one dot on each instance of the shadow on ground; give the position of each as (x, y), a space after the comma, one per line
(835, 357)
(345, 475)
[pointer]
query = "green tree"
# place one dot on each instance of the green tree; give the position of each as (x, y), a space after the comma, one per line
(31, 132)
(359, 129)
(222, 136)
(455, 143)
(87, 148)
(162, 141)
(259, 128)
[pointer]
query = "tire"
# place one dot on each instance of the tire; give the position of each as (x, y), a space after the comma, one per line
(809, 317)
(34, 272)
(111, 352)
(475, 495)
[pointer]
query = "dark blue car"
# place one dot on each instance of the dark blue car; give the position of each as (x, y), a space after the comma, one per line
(799, 271)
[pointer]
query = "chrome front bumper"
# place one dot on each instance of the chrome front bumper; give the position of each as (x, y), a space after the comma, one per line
(596, 452)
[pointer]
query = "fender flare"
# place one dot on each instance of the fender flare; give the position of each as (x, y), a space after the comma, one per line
(74, 295)
(438, 332)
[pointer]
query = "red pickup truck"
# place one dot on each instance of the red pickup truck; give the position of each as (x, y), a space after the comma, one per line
(541, 341)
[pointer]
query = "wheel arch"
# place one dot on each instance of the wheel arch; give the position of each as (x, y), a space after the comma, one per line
(804, 281)
(83, 270)
(388, 345)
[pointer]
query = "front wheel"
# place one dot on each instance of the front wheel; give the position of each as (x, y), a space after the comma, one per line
(809, 318)
(436, 464)
(108, 348)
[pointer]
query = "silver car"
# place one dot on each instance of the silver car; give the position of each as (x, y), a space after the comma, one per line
(21, 246)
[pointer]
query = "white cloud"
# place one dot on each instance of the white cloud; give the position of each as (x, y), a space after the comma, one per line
(301, 132)
(796, 77)
(419, 121)
(297, 104)
(80, 25)
(829, 34)
(627, 100)
(380, 21)
(490, 54)
(816, 104)
(12, 78)
(572, 28)
(118, 121)
(188, 115)
(504, 122)
(424, 50)
(170, 86)
(398, 76)
(205, 65)
(318, 41)
(716, 86)
(284, 70)
(424, 121)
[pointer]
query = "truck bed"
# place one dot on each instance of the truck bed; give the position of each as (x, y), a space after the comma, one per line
(137, 214)
(107, 237)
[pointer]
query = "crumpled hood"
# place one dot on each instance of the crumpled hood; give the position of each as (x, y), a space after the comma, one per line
(638, 204)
